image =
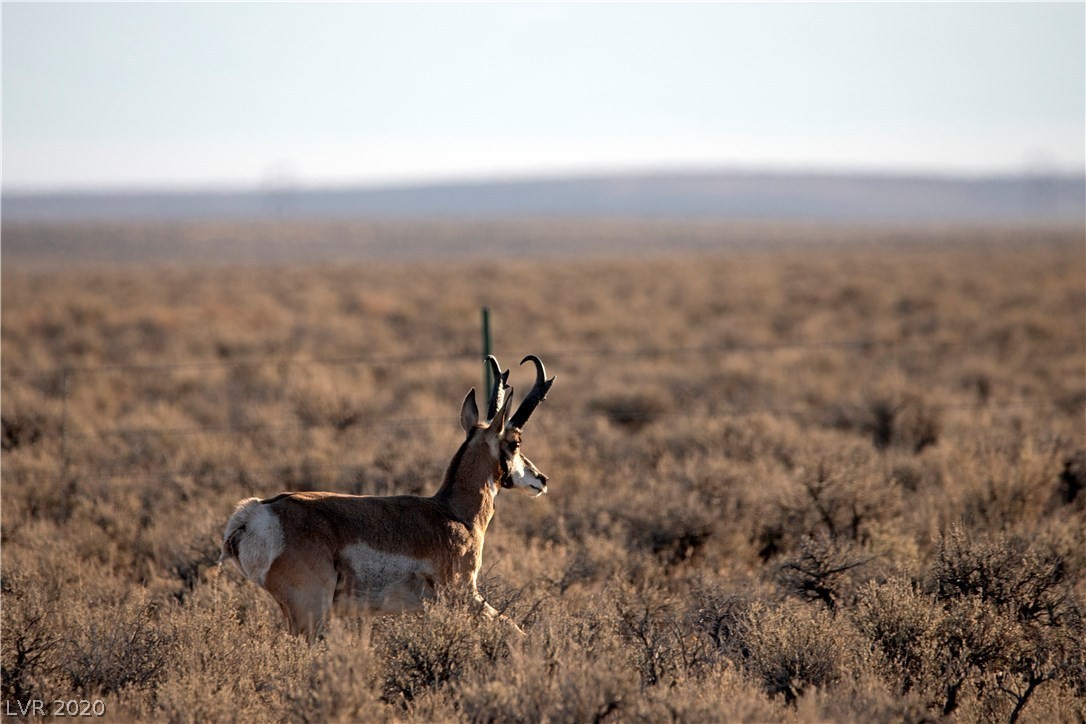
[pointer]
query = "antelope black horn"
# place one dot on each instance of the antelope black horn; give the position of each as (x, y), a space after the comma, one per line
(535, 396)
(497, 392)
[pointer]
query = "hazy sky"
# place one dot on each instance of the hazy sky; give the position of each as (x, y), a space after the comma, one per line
(126, 95)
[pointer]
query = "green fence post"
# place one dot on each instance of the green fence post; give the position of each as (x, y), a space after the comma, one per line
(488, 376)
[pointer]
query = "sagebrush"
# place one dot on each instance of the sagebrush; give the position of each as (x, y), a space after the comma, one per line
(807, 482)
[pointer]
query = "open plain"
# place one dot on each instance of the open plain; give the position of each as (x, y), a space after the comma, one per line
(798, 473)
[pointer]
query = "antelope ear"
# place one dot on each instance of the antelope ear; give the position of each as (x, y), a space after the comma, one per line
(469, 413)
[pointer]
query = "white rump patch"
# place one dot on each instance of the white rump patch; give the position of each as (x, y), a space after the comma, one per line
(262, 541)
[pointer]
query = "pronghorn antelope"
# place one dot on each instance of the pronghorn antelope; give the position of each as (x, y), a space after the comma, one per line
(321, 552)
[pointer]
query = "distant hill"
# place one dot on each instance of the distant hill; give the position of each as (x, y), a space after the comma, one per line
(754, 196)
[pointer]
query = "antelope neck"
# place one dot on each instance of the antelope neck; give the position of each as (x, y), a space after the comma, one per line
(466, 488)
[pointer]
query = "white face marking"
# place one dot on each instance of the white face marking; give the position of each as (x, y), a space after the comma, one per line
(262, 542)
(525, 476)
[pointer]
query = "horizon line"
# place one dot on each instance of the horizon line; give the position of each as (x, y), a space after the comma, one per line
(287, 184)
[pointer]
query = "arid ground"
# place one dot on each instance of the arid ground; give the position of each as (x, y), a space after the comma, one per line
(796, 473)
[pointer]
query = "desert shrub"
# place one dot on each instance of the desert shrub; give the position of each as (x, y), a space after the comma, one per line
(839, 495)
(973, 642)
(1029, 579)
(596, 560)
(45, 497)
(979, 380)
(232, 660)
(554, 676)
(911, 422)
(578, 569)
(20, 430)
(318, 398)
(791, 650)
(899, 622)
(865, 700)
(676, 532)
(337, 682)
(721, 693)
(787, 649)
(1006, 481)
(721, 612)
(891, 418)
(1039, 655)
(631, 410)
(755, 437)
(422, 653)
(112, 650)
(1012, 623)
(916, 474)
(31, 415)
(187, 564)
(59, 643)
(652, 631)
(1072, 480)
(520, 604)
(32, 642)
(822, 569)
(678, 541)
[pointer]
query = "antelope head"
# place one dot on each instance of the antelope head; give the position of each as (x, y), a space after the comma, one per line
(516, 470)
(521, 473)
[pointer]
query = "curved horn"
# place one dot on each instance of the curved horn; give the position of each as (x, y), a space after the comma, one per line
(497, 392)
(535, 396)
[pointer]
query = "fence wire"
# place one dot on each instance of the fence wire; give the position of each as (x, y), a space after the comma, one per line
(398, 423)
(137, 472)
(462, 355)
(68, 378)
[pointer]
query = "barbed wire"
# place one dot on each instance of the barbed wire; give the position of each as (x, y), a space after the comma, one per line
(244, 362)
(341, 426)
(348, 423)
(134, 471)
(138, 472)
(861, 344)
(226, 472)
(357, 420)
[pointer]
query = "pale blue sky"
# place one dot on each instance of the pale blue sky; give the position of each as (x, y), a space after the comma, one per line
(181, 95)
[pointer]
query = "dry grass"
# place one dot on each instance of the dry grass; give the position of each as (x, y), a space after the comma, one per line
(764, 523)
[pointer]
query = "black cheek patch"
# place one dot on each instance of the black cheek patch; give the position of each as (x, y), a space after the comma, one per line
(506, 480)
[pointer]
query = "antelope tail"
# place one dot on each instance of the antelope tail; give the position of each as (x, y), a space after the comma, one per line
(235, 528)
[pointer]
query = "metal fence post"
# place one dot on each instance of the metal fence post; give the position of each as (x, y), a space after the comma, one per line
(488, 376)
(66, 387)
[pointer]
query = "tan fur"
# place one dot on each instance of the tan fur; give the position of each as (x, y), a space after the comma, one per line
(373, 554)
